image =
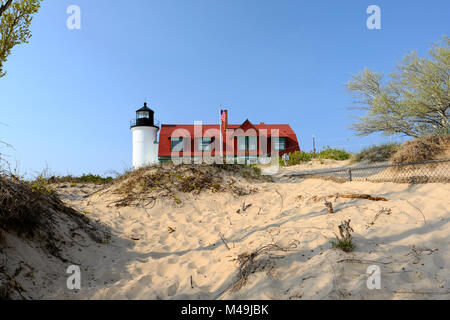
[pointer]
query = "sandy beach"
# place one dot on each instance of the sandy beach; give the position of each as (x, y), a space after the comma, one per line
(191, 249)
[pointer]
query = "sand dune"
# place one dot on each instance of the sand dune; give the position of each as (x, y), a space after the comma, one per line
(175, 251)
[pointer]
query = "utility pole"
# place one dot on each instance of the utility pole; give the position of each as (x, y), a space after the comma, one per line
(314, 145)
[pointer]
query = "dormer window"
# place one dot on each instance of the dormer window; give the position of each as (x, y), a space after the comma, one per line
(143, 115)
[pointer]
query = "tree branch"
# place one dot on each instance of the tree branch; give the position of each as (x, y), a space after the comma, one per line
(4, 7)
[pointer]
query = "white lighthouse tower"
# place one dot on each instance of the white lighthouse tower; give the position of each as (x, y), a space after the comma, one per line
(145, 144)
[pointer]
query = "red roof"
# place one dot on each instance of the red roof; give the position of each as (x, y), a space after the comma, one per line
(284, 129)
(210, 130)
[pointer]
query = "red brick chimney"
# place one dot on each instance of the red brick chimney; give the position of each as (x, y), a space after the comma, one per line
(225, 122)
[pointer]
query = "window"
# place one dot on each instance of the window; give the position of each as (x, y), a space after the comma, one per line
(204, 144)
(252, 160)
(242, 145)
(143, 114)
(176, 144)
(247, 143)
(280, 144)
(252, 143)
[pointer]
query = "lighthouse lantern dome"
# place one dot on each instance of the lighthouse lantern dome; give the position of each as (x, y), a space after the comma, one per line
(144, 117)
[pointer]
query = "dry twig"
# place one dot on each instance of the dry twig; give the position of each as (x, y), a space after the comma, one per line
(424, 220)
(382, 211)
(281, 208)
(224, 241)
(171, 230)
(248, 263)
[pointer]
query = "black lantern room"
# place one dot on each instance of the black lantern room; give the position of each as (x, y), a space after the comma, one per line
(144, 117)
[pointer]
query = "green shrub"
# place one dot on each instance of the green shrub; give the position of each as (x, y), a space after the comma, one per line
(40, 185)
(91, 178)
(85, 178)
(380, 153)
(334, 154)
(299, 157)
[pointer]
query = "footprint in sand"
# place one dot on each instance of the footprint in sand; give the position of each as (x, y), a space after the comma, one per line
(201, 270)
(438, 261)
(161, 269)
(145, 281)
(173, 260)
(163, 239)
(172, 290)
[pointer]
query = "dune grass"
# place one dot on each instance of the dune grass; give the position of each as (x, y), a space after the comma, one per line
(168, 180)
(377, 153)
(422, 149)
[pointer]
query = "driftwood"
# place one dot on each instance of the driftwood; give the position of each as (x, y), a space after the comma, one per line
(353, 260)
(344, 241)
(357, 196)
(345, 231)
(329, 205)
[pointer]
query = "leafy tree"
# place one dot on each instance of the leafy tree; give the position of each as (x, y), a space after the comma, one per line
(415, 100)
(15, 21)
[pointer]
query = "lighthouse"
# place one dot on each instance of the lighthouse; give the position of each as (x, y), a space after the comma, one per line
(145, 143)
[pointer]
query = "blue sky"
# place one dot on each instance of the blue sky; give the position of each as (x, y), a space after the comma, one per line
(68, 96)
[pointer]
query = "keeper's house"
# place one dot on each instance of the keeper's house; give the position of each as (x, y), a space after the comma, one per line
(246, 141)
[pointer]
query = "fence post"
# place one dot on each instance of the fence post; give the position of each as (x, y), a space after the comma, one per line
(349, 174)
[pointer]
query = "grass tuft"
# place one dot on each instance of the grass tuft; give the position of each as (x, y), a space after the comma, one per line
(344, 245)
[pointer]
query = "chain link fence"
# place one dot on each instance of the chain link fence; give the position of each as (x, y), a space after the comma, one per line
(431, 171)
